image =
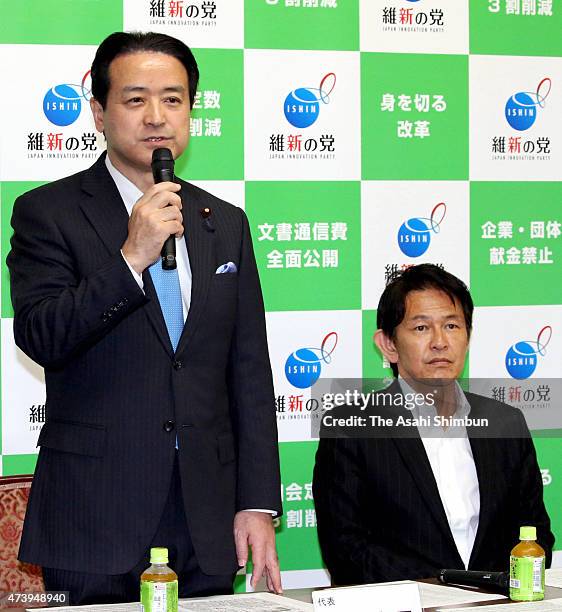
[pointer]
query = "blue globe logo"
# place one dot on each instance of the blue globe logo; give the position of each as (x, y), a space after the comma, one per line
(520, 111)
(304, 366)
(522, 107)
(521, 359)
(302, 105)
(301, 108)
(414, 235)
(62, 105)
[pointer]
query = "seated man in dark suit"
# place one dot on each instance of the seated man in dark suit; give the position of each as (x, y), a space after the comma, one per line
(403, 502)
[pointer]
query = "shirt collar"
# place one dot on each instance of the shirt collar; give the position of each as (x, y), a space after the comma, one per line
(128, 191)
(462, 407)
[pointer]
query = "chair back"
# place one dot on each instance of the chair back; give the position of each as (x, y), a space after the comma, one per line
(15, 576)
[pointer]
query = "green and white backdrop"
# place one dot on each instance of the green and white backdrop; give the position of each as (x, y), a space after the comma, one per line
(360, 136)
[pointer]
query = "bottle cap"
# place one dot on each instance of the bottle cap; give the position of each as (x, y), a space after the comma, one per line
(159, 555)
(527, 533)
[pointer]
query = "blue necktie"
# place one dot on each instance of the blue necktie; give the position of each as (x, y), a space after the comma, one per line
(167, 285)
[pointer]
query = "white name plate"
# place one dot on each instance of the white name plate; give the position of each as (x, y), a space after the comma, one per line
(392, 597)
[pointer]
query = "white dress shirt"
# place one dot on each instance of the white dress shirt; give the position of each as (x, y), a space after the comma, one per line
(452, 463)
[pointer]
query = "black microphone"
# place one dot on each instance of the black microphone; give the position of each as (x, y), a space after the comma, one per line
(163, 170)
(492, 581)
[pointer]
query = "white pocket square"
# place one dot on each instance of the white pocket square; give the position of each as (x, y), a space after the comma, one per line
(229, 267)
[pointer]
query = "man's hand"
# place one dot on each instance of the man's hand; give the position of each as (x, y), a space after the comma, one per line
(256, 529)
(154, 218)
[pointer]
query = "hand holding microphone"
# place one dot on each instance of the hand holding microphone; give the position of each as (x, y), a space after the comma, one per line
(156, 218)
(162, 171)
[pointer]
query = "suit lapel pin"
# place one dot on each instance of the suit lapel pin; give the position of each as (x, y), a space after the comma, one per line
(206, 215)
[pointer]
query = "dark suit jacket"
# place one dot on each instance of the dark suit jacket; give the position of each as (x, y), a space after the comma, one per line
(117, 395)
(380, 515)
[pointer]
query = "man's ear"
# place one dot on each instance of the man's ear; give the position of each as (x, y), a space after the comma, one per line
(97, 112)
(386, 346)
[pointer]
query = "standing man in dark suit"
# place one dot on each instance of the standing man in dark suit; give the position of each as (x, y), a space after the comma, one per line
(402, 499)
(160, 422)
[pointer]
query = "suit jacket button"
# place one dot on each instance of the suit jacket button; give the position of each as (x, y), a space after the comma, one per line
(178, 365)
(169, 426)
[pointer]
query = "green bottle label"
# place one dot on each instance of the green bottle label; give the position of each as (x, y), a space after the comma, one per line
(159, 596)
(526, 578)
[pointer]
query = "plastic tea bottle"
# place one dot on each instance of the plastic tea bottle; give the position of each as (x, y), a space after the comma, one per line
(526, 568)
(159, 584)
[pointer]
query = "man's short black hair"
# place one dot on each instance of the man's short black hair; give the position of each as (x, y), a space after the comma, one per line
(122, 43)
(392, 305)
